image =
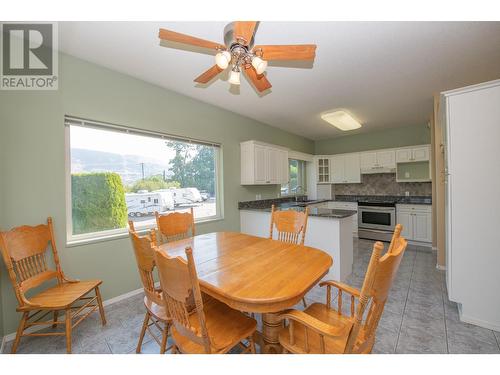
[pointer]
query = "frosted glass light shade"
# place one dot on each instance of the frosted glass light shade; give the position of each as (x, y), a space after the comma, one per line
(222, 59)
(259, 64)
(342, 120)
(234, 78)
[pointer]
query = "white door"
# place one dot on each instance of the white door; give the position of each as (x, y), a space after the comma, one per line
(405, 219)
(403, 155)
(368, 160)
(422, 227)
(352, 172)
(337, 169)
(323, 170)
(420, 153)
(261, 164)
(386, 159)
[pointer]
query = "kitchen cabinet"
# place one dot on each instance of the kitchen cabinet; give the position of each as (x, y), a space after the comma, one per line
(345, 169)
(263, 164)
(416, 221)
(421, 153)
(383, 161)
(323, 169)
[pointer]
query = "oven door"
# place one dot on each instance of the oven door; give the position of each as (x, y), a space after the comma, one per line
(377, 218)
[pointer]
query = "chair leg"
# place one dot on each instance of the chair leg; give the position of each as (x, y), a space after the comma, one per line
(143, 332)
(164, 337)
(251, 344)
(304, 301)
(19, 332)
(56, 315)
(68, 331)
(174, 349)
(101, 307)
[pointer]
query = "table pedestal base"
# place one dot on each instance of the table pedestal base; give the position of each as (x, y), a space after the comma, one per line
(271, 327)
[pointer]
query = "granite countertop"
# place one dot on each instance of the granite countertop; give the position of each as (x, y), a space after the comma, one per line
(290, 204)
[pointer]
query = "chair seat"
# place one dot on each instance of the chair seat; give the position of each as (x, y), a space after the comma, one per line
(226, 327)
(62, 296)
(158, 311)
(326, 315)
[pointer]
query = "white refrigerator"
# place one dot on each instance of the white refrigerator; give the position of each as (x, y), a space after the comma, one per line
(471, 124)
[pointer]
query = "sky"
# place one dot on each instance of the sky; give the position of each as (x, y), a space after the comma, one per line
(120, 143)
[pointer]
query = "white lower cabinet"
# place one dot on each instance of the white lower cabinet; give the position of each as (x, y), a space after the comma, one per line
(416, 221)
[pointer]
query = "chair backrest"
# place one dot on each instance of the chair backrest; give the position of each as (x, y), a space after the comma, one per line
(179, 282)
(291, 225)
(175, 226)
(24, 252)
(375, 290)
(145, 257)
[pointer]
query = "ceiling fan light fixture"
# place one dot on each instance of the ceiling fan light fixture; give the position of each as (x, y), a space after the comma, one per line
(259, 64)
(341, 120)
(222, 59)
(234, 77)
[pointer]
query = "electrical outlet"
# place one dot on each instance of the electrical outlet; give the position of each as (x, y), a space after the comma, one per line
(407, 193)
(258, 197)
(407, 174)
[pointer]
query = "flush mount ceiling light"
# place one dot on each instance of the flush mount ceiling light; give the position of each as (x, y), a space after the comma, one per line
(239, 53)
(341, 119)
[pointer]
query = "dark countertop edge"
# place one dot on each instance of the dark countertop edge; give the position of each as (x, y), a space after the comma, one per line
(327, 213)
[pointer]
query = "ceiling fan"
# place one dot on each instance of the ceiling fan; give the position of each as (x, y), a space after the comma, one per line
(239, 52)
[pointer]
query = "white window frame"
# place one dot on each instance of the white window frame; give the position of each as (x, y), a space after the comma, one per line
(304, 178)
(81, 239)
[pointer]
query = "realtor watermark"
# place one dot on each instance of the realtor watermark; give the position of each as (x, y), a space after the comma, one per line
(29, 59)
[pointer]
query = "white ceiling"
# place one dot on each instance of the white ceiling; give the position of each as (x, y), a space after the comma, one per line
(384, 73)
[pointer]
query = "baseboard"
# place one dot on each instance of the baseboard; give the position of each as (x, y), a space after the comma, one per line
(440, 267)
(12, 336)
(477, 322)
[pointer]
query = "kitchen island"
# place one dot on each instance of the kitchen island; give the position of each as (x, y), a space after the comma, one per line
(329, 230)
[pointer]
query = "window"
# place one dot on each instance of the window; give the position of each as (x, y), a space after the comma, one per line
(116, 174)
(297, 180)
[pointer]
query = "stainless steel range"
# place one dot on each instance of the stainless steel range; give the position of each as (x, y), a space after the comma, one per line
(376, 219)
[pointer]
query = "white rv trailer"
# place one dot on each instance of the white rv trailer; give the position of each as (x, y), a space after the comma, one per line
(185, 195)
(146, 203)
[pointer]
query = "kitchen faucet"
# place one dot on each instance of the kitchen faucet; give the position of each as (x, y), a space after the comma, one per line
(296, 192)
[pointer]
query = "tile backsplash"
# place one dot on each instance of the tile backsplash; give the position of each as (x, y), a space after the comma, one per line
(383, 184)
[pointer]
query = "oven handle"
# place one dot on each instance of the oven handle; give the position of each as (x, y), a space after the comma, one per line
(375, 208)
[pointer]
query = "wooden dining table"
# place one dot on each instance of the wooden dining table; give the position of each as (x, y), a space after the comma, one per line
(254, 274)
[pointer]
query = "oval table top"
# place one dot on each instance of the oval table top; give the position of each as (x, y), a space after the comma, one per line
(253, 274)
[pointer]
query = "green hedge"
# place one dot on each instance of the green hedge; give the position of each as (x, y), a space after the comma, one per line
(98, 201)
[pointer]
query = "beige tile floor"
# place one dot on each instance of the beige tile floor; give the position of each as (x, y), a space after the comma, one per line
(418, 316)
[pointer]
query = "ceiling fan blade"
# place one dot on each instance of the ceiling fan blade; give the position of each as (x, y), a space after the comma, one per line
(244, 30)
(259, 81)
(287, 52)
(173, 36)
(207, 76)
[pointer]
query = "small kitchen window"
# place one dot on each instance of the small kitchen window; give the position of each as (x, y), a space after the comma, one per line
(297, 181)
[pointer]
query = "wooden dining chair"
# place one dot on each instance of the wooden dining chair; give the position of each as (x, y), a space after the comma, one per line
(175, 226)
(322, 329)
(207, 325)
(24, 251)
(156, 309)
(290, 226)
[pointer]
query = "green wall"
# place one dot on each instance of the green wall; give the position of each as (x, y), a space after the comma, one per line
(33, 167)
(387, 138)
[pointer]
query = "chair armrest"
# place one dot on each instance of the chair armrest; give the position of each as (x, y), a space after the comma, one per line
(316, 325)
(346, 288)
(27, 303)
(68, 280)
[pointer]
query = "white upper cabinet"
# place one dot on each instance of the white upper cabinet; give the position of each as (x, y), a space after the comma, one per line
(323, 169)
(383, 161)
(263, 164)
(411, 154)
(345, 169)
